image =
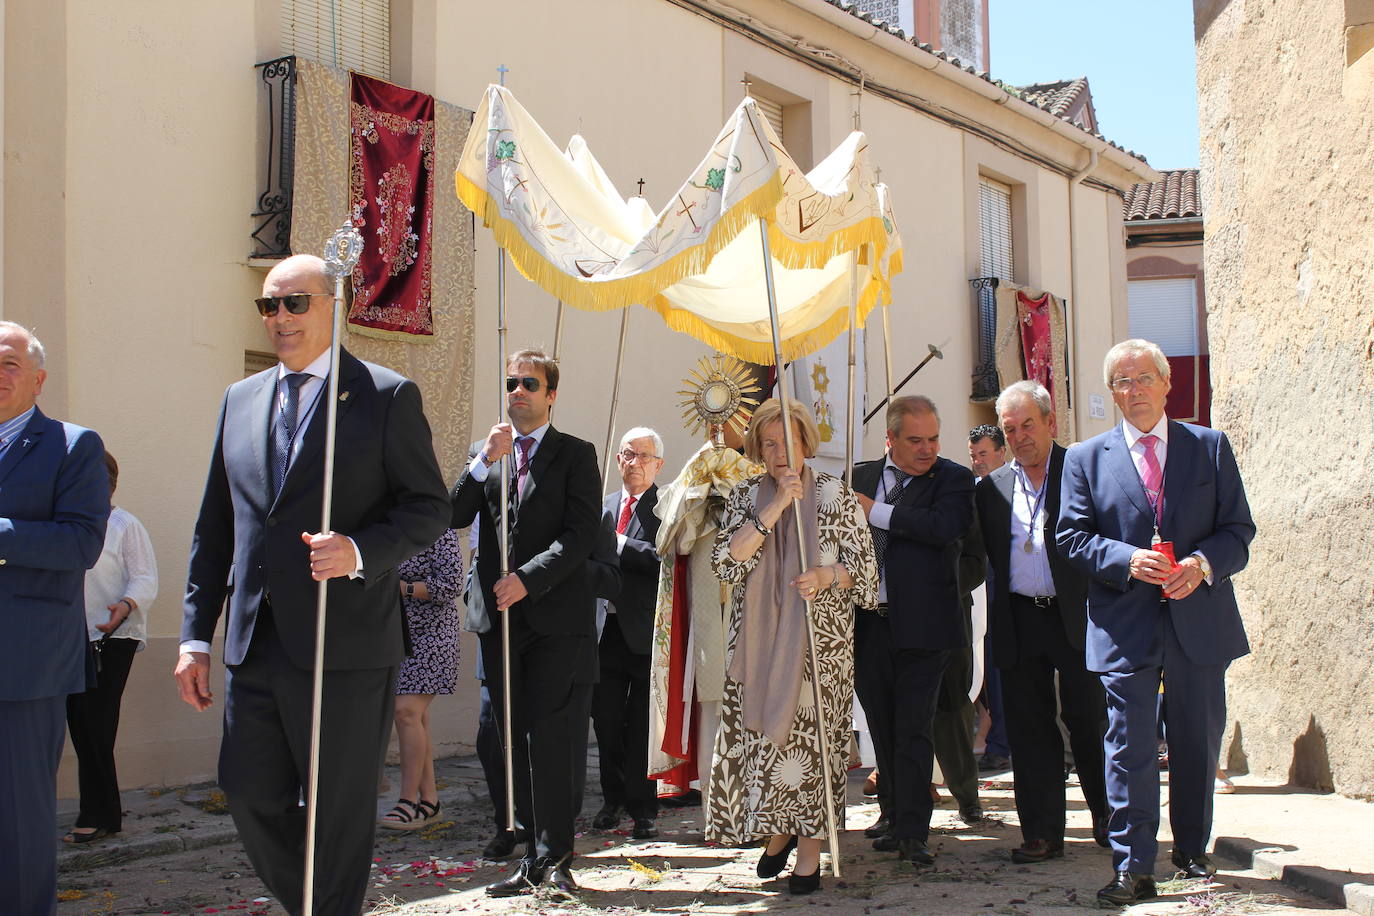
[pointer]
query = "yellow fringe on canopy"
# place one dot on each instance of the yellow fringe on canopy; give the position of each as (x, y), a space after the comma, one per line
(382, 334)
(605, 295)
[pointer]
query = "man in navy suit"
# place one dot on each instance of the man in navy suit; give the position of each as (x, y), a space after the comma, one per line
(620, 706)
(1134, 499)
(920, 507)
(257, 544)
(54, 502)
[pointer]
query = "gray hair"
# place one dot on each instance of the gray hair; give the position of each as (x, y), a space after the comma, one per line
(36, 353)
(1026, 388)
(643, 432)
(1134, 347)
(907, 405)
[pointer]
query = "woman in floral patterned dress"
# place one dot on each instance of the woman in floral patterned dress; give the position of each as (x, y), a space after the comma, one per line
(767, 775)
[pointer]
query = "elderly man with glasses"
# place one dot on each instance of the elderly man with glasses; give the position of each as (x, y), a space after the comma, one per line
(1154, 512)
(620, 710)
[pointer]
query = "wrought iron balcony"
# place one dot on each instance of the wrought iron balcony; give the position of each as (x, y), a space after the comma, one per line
(985, 324)
(272, 217)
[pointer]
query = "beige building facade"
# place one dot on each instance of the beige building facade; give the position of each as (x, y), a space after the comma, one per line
(1287, 129)
(133, 138)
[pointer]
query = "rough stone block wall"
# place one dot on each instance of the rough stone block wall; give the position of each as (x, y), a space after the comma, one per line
(1287, 131)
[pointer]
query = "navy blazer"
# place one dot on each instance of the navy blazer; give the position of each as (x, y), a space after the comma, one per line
(389, 497)
(637, 597)
(1105, 517)
(993, 500)
(54, 502)
(552, 533)
(926, 606)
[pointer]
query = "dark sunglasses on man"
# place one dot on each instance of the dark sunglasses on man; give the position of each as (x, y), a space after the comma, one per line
(296, 303)
(529, 382)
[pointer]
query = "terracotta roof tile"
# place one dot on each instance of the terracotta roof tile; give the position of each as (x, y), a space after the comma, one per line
(1056, 98)
(1175, 196)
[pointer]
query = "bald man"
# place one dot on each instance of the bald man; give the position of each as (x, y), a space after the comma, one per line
(257, 544)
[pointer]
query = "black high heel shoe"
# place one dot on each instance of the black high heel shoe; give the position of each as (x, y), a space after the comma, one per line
(804, 884)
(772, 866)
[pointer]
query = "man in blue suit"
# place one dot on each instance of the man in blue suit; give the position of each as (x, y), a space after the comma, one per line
(257, 545)
(1135, 498)
(54, 501)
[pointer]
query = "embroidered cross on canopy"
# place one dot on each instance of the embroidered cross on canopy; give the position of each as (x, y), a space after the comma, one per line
(697, 262)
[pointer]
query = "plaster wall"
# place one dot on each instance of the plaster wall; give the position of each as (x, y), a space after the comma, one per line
(1288, 175)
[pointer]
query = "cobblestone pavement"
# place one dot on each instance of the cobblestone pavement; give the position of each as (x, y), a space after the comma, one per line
(179, 855)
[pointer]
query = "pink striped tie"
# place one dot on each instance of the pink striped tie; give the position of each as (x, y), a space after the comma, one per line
(1153, 475)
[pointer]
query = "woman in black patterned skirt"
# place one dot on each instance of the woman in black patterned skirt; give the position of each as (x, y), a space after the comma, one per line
(431, 582)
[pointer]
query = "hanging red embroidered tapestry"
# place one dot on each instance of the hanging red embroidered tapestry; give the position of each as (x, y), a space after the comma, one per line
(391, 196)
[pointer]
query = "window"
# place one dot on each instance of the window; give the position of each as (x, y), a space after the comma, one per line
(1165, 311)
(994, 225)
(772, 111)
(351, 34)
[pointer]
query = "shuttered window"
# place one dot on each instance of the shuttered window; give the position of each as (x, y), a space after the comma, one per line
(773, 112)
(994, 222)
(1165, 311)
(351, 34)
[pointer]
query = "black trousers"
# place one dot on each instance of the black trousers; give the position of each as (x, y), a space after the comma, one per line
(953, 730)
(93, 722)
(899, 689)
(620, 715)
(264, 765)
(1031, 703)
(549, 703)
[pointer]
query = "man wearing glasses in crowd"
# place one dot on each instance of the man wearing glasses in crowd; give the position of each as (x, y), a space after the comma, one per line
(1155, 514)
(554, 515)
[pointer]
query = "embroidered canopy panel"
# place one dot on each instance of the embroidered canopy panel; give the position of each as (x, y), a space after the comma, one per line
(697, 261)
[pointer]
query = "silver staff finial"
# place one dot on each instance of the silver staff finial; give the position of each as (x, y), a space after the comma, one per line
(343, 250)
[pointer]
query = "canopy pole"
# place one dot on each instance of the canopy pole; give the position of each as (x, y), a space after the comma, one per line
(615, 396)
(849, 388)
(558, 331)
(507, 717)
(887, 351)
(341, 255)
(785, 397)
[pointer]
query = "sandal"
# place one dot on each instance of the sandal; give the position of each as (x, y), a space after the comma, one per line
(405, 815)
(428, 810)
(98, 833)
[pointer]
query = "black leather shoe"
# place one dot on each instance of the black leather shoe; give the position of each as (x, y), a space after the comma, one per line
(916, 852)
(1100, 836)
(560, 878)
(971, 815)
(1193, 866)
(689, 799)
(804, 884)
(644, 829)
(993, 763)
(527, 876)
(1127, 888)
(881, 827)
(501, 845)
(886, 843)
(608, 818)
(772, 866)
(1033, 851)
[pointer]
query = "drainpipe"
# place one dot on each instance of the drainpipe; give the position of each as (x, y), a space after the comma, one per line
(1077, 373)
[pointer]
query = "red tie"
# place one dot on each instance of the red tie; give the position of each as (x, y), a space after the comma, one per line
(1153, 475)
(625, 512)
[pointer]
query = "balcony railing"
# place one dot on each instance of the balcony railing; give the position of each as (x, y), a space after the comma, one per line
(985, 324)
(272, 217)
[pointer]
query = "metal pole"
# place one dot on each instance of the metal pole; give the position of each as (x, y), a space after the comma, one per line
(785, 397)
(615, 394)
(935, 353)
(341, 254)
(849, 389)
(558, 331)
(507, 717)
(887, 350)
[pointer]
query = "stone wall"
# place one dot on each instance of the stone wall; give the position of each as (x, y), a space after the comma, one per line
(1288, 176)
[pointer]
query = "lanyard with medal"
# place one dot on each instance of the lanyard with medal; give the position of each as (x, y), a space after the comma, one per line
(1029, 546)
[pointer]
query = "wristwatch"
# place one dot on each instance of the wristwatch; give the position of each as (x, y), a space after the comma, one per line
(1203, 565)
(410, 589)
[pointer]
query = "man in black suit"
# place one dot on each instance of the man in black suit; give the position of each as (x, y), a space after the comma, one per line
(920, 507)
(554, 516)
(620, 708)
(1037, 622)
(256, 543)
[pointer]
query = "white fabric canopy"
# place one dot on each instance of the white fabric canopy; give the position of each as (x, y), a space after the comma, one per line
(698, 261)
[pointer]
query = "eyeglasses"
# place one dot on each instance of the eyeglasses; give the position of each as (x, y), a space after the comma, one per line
(530, 383)
(296, 303)
(630, 456)
(1144, 380)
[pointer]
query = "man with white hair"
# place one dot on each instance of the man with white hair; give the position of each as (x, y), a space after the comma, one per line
(620, 708)
(54, 502)
(1155, 513)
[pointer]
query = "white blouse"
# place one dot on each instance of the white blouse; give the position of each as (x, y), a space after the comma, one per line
(126, 569)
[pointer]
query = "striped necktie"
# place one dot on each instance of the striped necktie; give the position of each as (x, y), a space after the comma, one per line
(893, 494)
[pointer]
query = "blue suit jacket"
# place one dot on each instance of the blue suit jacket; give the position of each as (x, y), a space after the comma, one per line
(1105, 517)
(54, 502)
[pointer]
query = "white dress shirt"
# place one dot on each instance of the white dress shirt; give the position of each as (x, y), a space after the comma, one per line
(880, 516)
(1029, 570)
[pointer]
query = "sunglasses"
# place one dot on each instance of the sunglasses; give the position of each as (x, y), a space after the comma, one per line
(296, 303)
(530, 383)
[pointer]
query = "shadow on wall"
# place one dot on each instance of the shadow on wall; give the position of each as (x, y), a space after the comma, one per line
(1236, 763)
(1311, 765)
